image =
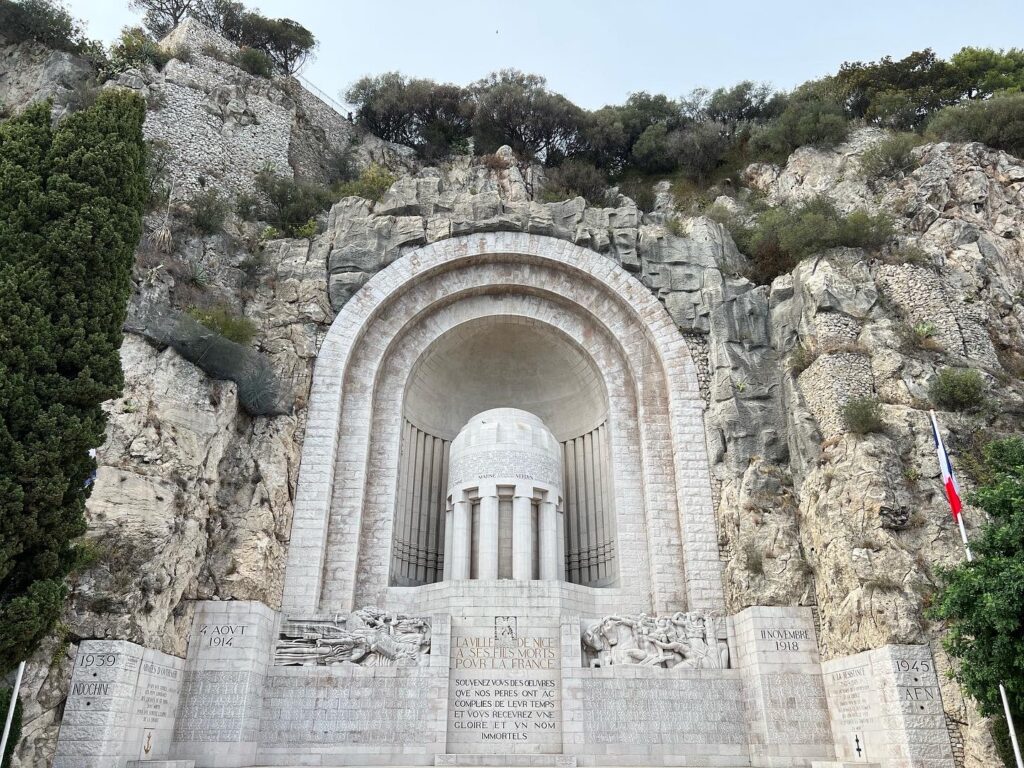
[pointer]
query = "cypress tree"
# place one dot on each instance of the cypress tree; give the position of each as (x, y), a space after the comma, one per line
(71, 200)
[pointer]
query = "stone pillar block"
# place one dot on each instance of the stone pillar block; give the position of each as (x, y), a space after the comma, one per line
(462, 530)
(229, 653)
(777, 651)
(886, 707)
(120, 705)
(487, 567)
(522, 537)
(547, 523)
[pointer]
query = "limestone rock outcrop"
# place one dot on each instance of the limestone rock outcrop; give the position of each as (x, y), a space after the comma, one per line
(31, 72)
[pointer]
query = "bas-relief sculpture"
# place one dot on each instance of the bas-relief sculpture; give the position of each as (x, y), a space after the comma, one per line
(695, 639)
(368, 637)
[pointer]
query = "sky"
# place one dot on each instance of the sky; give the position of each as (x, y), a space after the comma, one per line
(597, 52)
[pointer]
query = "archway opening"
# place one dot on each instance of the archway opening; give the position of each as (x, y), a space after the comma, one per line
(504, 362)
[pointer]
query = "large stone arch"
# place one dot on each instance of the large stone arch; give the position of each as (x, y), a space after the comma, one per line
(362, 358)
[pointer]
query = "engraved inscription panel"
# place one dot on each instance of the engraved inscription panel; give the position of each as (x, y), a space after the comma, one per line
(850, 695)
(795, 709)
(215, 705)
(358, 710)
(504, 689)
(505, 465)
(662, 711)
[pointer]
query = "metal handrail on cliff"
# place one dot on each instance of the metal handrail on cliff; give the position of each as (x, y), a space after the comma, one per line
(335, 105)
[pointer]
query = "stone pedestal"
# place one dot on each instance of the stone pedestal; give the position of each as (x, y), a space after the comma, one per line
(229, 653)
(518, 676)
(777, 651)
(120, 706)
(886, 706)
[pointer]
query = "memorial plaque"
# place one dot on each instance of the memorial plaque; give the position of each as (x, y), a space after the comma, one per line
(850, 693)
(216, 706)
(362, 709)
(504, 688)
(796, 709)
(688, 710)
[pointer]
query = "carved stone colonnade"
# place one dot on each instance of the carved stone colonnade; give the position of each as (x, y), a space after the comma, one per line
(342, 531)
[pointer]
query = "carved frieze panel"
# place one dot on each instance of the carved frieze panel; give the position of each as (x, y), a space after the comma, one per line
(368, 637)
(696, 639)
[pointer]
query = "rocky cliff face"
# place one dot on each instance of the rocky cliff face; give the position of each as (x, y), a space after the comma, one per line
(194, 497)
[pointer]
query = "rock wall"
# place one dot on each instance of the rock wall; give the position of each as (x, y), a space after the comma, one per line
(194, 498)
(222, 125)
(31, 72)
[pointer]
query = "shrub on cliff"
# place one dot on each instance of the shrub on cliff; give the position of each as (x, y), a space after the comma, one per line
(135, 48)
(207, 211)
(221, 319)
(810, 119)
(372, 184)
(997, 122)
(46, 22)
(863, 415)
(291, 203)
(957, 389)
(254, 62)
(781, 237)
(982, 601)
(891, 156)
(576, 178)
(71, 201)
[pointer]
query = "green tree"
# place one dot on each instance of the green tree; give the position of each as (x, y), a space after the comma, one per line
(49, 23)
(517, 109)
(810, 118)
(997, 122)
(433, 118)
(222, 16)
(898, 94)
(161, 16)
(982, 602)
(745, 103)
(289, 44)
(984, 71)
(71, 200)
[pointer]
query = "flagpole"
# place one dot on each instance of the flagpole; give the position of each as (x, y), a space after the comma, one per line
(941, 451)
(1009, 723)
(963, 535)
(10, 711)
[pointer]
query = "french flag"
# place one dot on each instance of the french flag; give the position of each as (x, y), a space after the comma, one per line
(948, 479)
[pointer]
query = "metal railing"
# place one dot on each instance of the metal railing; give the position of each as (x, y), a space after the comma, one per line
(337, 106)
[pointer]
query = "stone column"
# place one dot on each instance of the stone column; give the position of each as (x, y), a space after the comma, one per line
(547, 522)
(487, 567)
(448, 515)
(462, 530)
(562, 570)
(522, 536)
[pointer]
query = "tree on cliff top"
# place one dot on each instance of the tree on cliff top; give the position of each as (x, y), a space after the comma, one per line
(983, 601)
(288, 44)
(71, 201)
(161, 16)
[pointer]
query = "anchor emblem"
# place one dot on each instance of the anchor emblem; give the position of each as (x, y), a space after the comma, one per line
(148, 746)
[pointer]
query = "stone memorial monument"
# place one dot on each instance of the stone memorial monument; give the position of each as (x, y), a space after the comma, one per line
(503, 553)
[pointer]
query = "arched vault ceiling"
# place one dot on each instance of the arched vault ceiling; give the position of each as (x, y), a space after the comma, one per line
(501, 361)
